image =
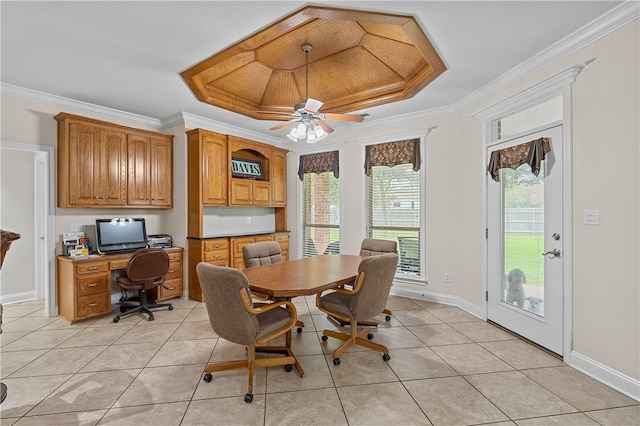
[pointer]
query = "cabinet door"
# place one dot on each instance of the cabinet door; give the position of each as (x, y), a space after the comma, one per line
(237, 260)
(278, 179)
(112, 179)
(241, 192)
(214, 170)
(261, 193)
(139, 149)
(84, 164)
(161, 165)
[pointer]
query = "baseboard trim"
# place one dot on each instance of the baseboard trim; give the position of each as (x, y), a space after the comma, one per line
(18, 297)
(618, 381)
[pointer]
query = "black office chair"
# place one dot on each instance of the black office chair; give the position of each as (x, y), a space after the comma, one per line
(145, 271)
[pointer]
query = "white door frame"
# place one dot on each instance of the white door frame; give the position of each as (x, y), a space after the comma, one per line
(559, 84)
(44, 218)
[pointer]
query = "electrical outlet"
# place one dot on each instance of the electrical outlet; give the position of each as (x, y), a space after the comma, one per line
(248, 220)
(447, 277)
(592, 217)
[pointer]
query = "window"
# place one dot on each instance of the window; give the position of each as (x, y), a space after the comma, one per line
(320, 203)
(535, 116)
(394, 201)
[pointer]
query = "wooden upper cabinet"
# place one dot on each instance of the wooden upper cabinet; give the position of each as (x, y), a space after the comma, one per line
(214, 169)
(150, 179)
(278, 178)
(105, 165)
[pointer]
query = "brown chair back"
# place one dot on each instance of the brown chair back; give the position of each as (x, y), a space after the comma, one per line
(147, 268)
(261, 253)
(375, 247)
(372, 297)
(229, 318)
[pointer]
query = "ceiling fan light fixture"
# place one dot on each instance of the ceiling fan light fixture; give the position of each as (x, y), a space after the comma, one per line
(308, 132)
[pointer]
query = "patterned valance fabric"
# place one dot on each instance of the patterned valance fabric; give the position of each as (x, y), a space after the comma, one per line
(393, 153)
(531, 153)
(319, 163)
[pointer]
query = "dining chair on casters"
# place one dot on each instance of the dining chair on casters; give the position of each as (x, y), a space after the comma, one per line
(145, 272)
(234, 317)
(375, 247)
(364, 301)
(264, 253)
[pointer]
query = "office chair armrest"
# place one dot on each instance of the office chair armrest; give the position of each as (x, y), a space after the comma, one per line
(356, 286)
(260, 296)
(248, 304)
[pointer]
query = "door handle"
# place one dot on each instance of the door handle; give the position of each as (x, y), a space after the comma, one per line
(554, 253)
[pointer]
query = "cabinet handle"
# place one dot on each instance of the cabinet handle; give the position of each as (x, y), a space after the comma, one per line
(92, 268)
(96, 197)
(217, 256)
(103, 197)
(170, 271)
(92, 305)
(172, 258)
(92, 285)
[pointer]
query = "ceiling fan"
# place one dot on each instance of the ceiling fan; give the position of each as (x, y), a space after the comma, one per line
(311, 126)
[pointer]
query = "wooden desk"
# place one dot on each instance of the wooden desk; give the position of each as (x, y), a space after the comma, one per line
(301, 277)
(84, 285)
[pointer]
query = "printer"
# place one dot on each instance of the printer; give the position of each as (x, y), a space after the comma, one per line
(159, 241)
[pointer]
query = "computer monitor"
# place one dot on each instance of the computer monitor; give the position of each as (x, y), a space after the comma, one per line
(120, 235)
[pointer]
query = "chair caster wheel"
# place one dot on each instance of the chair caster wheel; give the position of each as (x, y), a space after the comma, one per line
(370, 336)
(299, 329)
(386, 357)
(116, 319)
(151, 318)
(123, 309)
(288, 368)
(388, 318)
(171, 307)
(336, 361)
(207, 377)
(248, 398)
(324, 338)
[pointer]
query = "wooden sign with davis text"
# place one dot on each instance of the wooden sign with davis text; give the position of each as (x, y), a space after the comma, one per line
(246, 169)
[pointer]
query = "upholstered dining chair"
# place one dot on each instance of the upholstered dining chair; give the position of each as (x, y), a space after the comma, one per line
(374, 247)
(234, 317)
(8, 237)
(145, 271)
(264, 253)
(366, 300)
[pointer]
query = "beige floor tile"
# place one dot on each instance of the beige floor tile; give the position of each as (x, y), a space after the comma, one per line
(89, 337)
(40, 340)
(575, 419)
(395, 338)
(182, 352)
(60, 361)
(184, 303)
(148, 333)
(308, 323)
(81, 418)
(7, 338)
(225, 411)
(316, 376)
(401, 304)
(166, 414)
(471, 359)
(193, 330)
(310, 407)
(416, 317)
(155, 385)
(24, 393)
(163, 315)
(453, 401)
(454, 314)
(480, 331)
(305, 343)
(86, 392)
(13, 361)
(360, 368)
(115, 357)
(418, 363)
(20, 310)
(617, 416)
(380, 404)
(63, 324)
(26, 324)
(199, 313)
(578, 389)
(438, 334)
(232, 383)
(520, 354)
(518, 396)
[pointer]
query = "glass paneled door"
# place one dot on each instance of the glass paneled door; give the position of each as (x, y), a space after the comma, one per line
(525, 243)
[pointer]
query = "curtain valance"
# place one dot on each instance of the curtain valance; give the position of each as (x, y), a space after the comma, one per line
(531, 153)
(393, 153)
(319, 163)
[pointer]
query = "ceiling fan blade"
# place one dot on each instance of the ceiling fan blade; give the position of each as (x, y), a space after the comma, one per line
(324, 125)
(283, 124)
(312, 105)
(343, 117)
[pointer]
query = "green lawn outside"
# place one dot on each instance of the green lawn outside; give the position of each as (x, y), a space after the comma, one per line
(525, 253)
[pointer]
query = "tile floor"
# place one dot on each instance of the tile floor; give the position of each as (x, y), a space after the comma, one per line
(446, 368)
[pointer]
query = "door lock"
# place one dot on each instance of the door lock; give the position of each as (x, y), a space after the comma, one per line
(554, 253)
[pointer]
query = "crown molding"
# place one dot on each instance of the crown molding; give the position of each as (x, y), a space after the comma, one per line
(596, 29)
(72, 104)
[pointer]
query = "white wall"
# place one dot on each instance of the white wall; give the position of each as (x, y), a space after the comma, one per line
(606, 287)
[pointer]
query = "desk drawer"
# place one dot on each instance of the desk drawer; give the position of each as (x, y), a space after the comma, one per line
(222, 244)
(175, 257)
(93, 305)
(95, 283)
(218, 255)
(175, 271)
(118, 264)
(91, 267)
(174, 290)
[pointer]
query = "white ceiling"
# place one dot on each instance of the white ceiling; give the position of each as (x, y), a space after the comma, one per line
(128, 55)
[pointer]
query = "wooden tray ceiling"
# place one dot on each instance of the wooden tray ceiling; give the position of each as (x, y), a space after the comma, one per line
(359, 59)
